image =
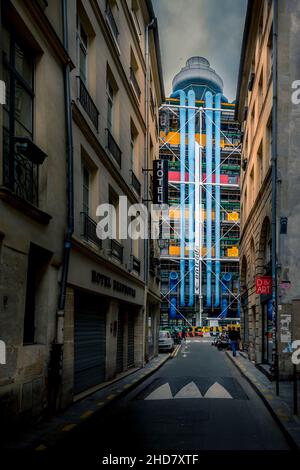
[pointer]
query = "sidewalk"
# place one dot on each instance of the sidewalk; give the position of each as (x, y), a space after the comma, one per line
(281, 407)
(44, 434)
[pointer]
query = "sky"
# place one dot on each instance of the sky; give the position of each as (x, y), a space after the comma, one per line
(209, 28)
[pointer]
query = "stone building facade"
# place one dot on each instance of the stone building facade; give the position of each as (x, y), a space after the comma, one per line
(269, 138)
(105, 322)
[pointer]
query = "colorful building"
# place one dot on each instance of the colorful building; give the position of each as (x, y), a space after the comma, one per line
(198, 118)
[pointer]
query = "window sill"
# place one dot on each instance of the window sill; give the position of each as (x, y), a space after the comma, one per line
(24, 206)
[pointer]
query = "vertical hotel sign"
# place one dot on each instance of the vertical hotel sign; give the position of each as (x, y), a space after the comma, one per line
(160, 182)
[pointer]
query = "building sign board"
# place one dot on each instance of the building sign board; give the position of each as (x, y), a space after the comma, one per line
(263, 285)
(160, 181)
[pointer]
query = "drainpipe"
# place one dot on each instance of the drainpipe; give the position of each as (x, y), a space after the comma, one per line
(182, 124)
(191, 155)
(217, 194)
(150, 26)
(70, 185)
(208, 123)
(274, 194)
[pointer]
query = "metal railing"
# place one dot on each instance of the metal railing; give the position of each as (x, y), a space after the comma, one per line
(135, 183)
(136, 265)
(135, 83)
(116, 250)
(112, 21)
(87, 103)
(89, 230)
(113, 147)
(21, 176)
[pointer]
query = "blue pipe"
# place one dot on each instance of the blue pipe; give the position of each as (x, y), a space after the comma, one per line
(182, 116)
(173, 280)
(208, 125)
(217, 197)
(191, 155)
(225, 280)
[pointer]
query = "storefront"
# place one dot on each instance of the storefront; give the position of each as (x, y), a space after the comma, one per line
(104, 325)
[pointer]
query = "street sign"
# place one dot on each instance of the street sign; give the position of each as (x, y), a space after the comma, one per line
(160, 182)
(263, 285)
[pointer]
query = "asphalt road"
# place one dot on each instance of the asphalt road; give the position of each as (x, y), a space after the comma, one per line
(197, 401)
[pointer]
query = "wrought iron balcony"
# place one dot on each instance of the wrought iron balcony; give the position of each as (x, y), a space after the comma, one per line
(136, 265)
(87, 103)
(89, 230)
(113, 147)
(116, 250)
(135, 83)
(21, 172)
(112, 22)
(135, 183)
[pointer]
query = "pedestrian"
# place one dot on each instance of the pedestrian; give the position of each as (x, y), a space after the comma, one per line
(234, 337)
(183, 334)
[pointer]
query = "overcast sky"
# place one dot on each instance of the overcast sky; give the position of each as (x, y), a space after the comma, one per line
(209, 28)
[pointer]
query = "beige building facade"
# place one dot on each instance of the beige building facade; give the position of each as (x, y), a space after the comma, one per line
(104, 294)
(269, 180)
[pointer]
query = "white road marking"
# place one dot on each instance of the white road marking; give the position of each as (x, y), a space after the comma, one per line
(189, 391)
(217, 391)
(161, 393)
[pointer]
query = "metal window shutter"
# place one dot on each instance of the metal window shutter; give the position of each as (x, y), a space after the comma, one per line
(89, 342)
(130, 340)
(120, 344)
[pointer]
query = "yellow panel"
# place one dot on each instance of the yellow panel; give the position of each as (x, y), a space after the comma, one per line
(233, 216)
(204, 251)
(233, 252)
(175, 251)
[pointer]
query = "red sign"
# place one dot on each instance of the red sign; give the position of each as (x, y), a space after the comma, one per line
(263, 285)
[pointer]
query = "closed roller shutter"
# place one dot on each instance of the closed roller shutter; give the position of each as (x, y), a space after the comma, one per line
(89, 342)
(120, 343)
(130, 340)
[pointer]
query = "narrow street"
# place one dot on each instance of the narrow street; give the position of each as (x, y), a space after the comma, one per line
(196, 401)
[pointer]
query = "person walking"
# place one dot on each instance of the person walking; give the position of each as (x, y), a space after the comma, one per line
(234, 337)
(183, 334)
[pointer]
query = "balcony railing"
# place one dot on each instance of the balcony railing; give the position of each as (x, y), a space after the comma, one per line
(87, 103)
(136, 265)
(89, 230)
(113, 147)
(135, 83)
(116, 250)
(21, 169)
(112, 22)
(135, 183)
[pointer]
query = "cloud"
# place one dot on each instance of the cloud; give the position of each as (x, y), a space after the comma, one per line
(209, 28)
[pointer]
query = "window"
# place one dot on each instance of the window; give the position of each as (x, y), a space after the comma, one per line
(86, 178)
(20, 173)
(111, 11)
(38, 260)
(82, 42)
(260, 166)
(110, 106)
(133, 75)
(134, 13)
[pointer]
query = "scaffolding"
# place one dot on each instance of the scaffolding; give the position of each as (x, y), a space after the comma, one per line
(227, 208)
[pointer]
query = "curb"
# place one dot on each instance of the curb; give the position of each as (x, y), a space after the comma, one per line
(48, 440)
(291, 441)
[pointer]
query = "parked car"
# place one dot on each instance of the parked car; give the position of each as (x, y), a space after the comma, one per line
(166, 342)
